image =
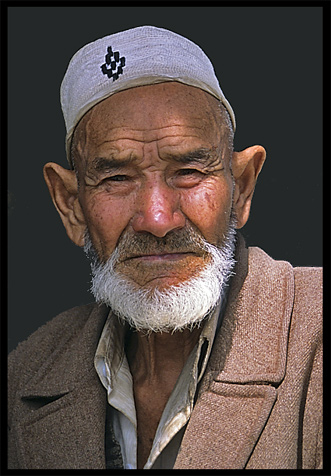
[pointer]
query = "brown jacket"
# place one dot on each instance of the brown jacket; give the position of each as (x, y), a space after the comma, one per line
(259, 405)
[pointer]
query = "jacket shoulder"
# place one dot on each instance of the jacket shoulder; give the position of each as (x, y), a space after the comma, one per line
(61, 326)
(307, 281)
(56, 334)
(308, 298)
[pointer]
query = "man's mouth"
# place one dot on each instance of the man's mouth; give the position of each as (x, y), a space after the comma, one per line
(160, 256)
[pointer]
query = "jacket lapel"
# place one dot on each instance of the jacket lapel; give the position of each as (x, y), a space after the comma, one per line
(248, 362)
(65, 406)
(225, 425)
(70, 424)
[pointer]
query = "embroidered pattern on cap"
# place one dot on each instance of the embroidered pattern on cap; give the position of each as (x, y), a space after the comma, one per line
(114, 65)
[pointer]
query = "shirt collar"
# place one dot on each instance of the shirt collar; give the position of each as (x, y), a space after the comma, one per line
(110, 354)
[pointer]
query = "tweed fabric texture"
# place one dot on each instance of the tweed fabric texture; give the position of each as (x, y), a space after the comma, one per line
(259, 405)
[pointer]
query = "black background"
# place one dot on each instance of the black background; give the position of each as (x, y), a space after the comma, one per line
(269, 63)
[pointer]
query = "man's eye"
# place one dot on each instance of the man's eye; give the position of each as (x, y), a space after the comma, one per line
(184, 172)
(117, 178)
(187, 178)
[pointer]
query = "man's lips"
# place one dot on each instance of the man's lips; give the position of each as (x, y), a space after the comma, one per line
(160, 256)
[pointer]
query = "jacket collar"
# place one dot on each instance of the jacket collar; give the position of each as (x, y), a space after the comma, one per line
(247, 365)
(252, 343)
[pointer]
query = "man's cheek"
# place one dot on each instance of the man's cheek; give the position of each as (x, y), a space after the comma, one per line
(105, 226)
(208, 211)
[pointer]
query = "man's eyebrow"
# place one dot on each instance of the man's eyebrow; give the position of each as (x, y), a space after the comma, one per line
(197, 155)
(104, 164)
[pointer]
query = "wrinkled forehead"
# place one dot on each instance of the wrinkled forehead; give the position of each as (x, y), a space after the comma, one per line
(149, 109)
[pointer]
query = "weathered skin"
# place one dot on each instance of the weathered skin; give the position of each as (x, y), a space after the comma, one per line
(149, 162)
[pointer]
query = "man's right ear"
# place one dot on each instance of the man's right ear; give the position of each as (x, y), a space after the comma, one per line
(63, 187)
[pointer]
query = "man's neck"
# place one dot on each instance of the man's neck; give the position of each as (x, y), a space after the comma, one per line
(160, 356)
(156, 361)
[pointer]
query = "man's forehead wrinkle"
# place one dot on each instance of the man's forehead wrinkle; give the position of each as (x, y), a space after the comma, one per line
(121, 144)
(82, 138)
(146, 134)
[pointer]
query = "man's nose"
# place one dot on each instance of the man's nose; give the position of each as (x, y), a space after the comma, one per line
(158, 210)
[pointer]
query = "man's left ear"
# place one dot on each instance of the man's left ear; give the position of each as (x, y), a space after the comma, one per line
(246, 166)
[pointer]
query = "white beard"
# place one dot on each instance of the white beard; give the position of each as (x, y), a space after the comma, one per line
(176, 308)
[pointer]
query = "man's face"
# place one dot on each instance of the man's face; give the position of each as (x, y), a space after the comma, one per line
(150, 163)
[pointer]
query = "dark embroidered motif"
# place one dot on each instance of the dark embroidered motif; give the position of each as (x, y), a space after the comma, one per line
(114, 65)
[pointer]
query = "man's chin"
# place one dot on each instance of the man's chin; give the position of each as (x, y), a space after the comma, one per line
(160, 284)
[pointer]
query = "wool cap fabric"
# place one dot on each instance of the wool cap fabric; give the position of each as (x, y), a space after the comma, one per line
(140, 56)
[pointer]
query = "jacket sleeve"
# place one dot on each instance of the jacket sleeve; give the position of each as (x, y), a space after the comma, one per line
(312, 404)
(312, 451)
(14, 371)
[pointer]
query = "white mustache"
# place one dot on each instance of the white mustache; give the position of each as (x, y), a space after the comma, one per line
(183, 240)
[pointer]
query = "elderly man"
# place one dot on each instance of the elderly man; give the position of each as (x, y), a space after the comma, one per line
(199, 352)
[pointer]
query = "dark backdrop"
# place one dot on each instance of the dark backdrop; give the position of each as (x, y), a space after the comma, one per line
(269, 62)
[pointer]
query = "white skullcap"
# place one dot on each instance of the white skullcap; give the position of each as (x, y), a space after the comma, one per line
(137, 57)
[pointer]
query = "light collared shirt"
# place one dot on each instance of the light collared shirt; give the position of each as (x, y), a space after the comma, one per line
(113, 369)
